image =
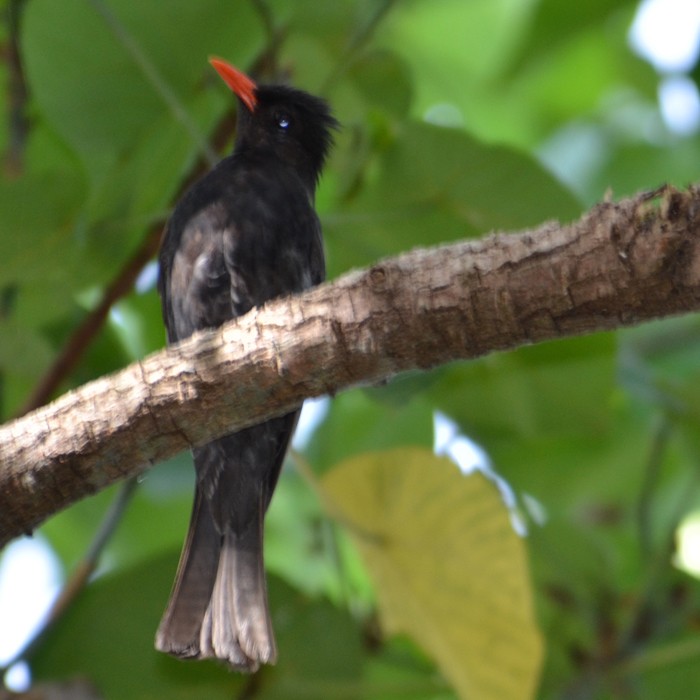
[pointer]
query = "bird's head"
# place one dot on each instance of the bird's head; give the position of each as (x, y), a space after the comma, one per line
(293, 125)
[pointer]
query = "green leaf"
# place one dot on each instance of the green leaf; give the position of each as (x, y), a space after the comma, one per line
(138, 321)
(554, 24)
(320, 648)
(107, 637)
(444, 41)
(24, 356)
(668, 669)
(297, 540)
(448, 567)
(519, 394)
(156, 517)
(38, 242)
(643, 166)
(436, 184)
(385, 81)
(96, 92)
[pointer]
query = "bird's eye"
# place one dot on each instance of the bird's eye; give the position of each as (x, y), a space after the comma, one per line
(283, 122)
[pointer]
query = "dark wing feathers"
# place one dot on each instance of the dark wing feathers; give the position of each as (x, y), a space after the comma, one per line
(215, 267)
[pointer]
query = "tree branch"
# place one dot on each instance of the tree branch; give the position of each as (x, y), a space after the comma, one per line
(618, 265)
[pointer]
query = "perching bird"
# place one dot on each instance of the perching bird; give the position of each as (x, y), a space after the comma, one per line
(245, 233)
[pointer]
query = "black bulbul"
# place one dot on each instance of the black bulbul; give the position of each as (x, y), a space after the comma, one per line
(245, 233)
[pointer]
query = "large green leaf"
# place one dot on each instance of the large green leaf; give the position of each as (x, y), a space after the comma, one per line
(448, 567)
(564, 389)
(38, 245)
(107, 637)
(301, 547)
(320, 649)
(668, 669)
(452, 44)
(553, 24)
(102, 91)
(643, 166)
(436, 184)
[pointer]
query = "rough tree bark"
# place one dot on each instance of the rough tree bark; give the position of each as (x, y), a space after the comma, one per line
(620, 264)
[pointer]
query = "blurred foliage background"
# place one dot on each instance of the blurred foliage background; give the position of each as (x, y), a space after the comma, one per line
(392, 575)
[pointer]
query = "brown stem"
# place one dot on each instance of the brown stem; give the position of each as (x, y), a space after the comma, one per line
(17, 93)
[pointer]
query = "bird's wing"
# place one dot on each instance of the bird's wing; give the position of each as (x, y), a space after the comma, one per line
(195, 284)
(223, 266)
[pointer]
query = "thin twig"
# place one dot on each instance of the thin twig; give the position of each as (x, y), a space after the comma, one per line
(659, 443)
(662, 657)
(266, 66)
(17, 93)
(657, 562)
(267, 18)
(333, 520)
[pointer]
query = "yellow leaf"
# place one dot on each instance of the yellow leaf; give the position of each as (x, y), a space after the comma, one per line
(447, 566)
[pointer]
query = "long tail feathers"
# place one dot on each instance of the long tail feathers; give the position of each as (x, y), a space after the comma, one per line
(218, 606)
(238, 622)
(178, 633)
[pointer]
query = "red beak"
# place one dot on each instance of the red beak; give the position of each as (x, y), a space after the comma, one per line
(243, 86)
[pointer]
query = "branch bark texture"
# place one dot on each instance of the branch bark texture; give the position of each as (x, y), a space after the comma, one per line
(620, 264)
